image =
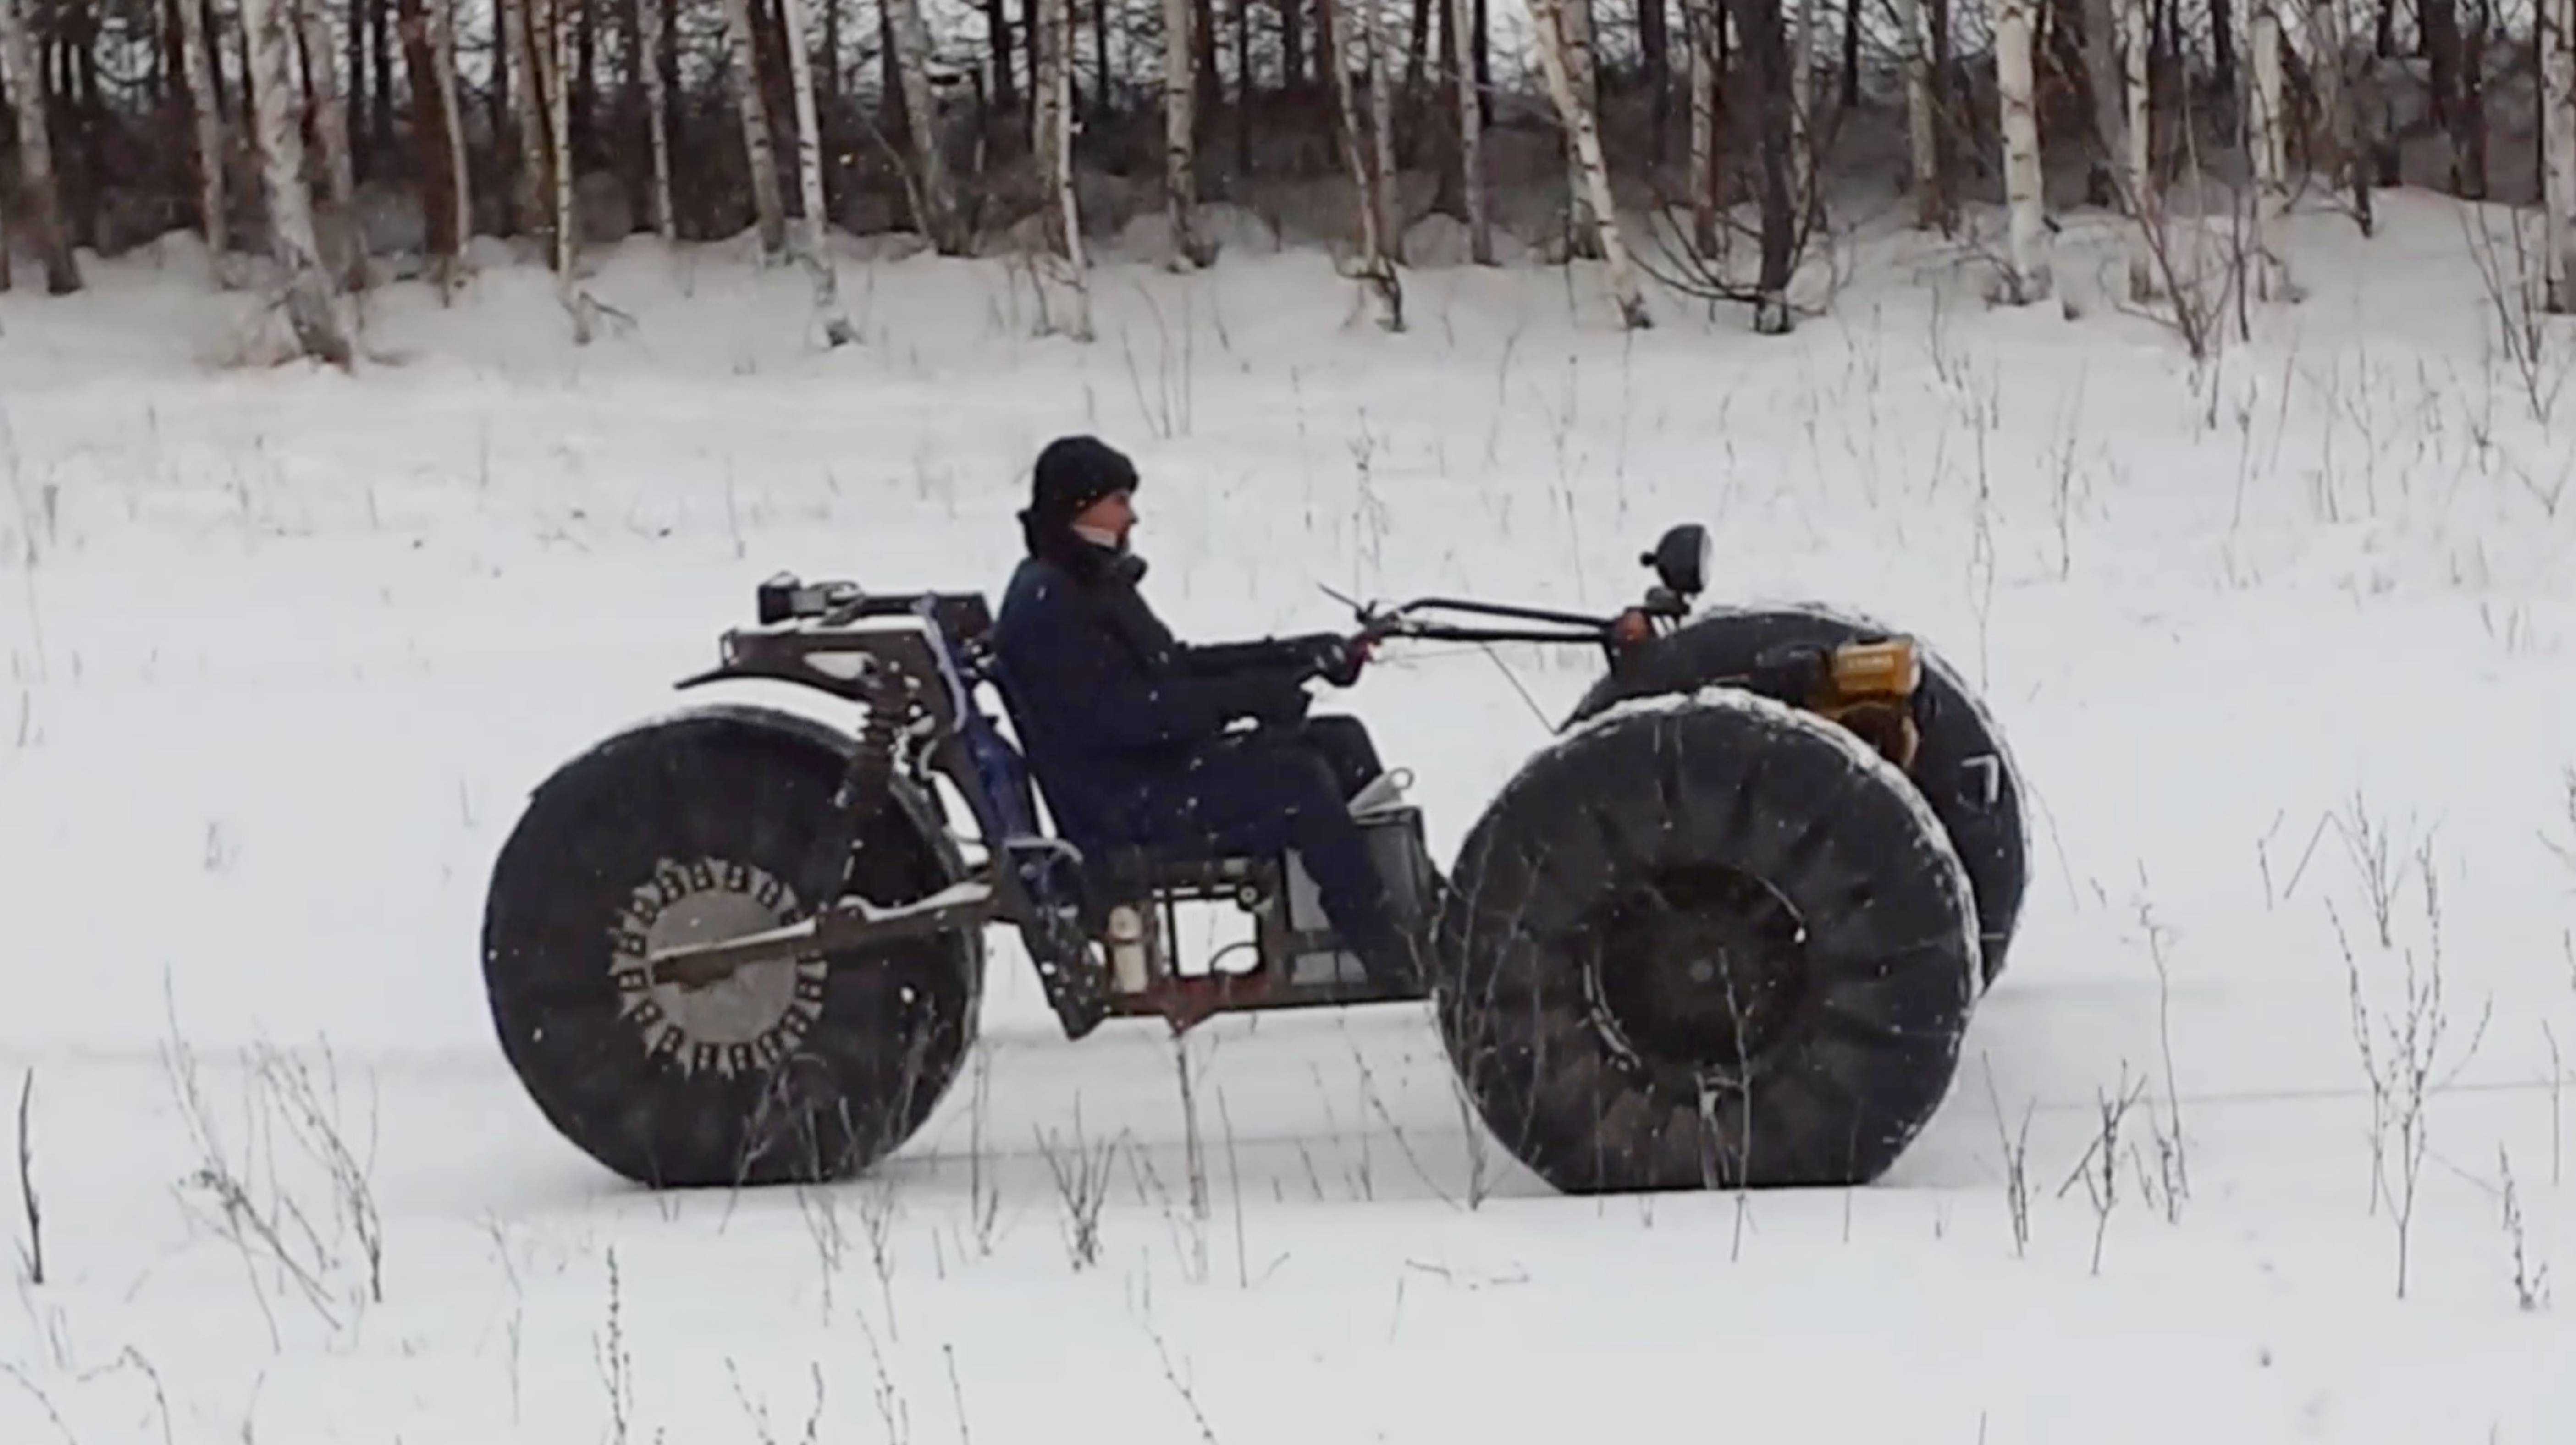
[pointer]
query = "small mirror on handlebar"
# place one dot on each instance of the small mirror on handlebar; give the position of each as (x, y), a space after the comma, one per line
(1682, 559)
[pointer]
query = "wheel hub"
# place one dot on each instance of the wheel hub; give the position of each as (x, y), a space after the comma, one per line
(1701, 967)
(745, 1021)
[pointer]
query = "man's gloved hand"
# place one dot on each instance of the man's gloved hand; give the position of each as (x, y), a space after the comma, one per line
(1338, 659)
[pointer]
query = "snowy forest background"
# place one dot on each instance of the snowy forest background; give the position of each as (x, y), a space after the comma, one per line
(356, 142)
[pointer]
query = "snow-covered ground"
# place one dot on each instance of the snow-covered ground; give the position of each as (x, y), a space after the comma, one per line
(2281, 644)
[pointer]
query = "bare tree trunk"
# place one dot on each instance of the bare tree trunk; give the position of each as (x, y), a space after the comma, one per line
(438, 127)
(330, 112)
(37, 183)
(1571, 32)
(1703, 19)
(1471, 133)
(938, 198)
(2145, 189)
(1051, 85)
(2558, 85)
(2028, 277)
(206, 109)
(1376, 268)
(309, 308)
(811, 237)
(1556, 52)
(1800, 17)
(2330, 51)
(1922, 126)
(553, 45)
(657, 117)
(1180, 134)
(520, 45)
(1373, 35)
(2102, 77)
(2268, 141)
(451, 103)
(751, 104)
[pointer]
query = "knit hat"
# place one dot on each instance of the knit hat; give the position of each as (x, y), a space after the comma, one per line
(1072, 473)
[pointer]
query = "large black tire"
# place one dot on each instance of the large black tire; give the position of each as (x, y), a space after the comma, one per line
(1964, 770)
(1663, 863)
(714, 823)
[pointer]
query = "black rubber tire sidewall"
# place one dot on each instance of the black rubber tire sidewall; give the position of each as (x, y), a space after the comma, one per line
(1992, 839)
(732, 785)
(1779, 794)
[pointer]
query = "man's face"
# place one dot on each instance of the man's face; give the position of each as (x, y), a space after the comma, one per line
(1113, 516)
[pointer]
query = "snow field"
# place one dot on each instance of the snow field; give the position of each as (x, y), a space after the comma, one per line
(2275, 640)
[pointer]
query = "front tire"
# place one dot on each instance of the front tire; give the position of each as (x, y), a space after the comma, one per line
(1706, 942)
(711, 824)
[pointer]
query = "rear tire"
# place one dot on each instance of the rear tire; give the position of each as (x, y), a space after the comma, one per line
(1964, 770)
(712, 824)
(1719, 899)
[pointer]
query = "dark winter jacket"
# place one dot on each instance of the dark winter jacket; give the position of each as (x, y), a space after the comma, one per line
(1113, 711)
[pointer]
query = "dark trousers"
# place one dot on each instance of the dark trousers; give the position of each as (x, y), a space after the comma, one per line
(1283, 787)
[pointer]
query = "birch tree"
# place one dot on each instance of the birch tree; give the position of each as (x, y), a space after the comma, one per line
(1703, 17)
(811, 245)
(1051, 77)
(1376, 269)
(330, 103)
(2268, 139)
(36, 182)
(751, 105)
(1180, 134)
(2028, 277)
(197, 58)
(2558, 87)
(1471, 131)
(657, 117)
(1381, 87)
(1572, 32)
(1922, 127)
(309, 309)
(440, 137)
(2146, 190)
(519, 46)
(935, 199)
(1575, 110)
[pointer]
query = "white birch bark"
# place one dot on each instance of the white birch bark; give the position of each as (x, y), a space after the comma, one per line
(442, 54)
(555, 63)
(1381, 76)
(937, 195)
(1572, 31)
(1920, 130)
(2558, 85)
(656, 124)
(1800, 22)
(2146, 192)
(1180, 140)
(1703, 18)
(36, 181)
(309, 309)
(2028, 276)
(516, 19)
(1471, 131)
(1378, 281)
(2329, 47)
(758, 145)
(1051, 76)
(2268, 140)
(1575, 110)
(812, 247)
(330, 110)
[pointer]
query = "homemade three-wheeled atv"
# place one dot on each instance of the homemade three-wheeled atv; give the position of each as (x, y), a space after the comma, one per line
(1725, 930)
